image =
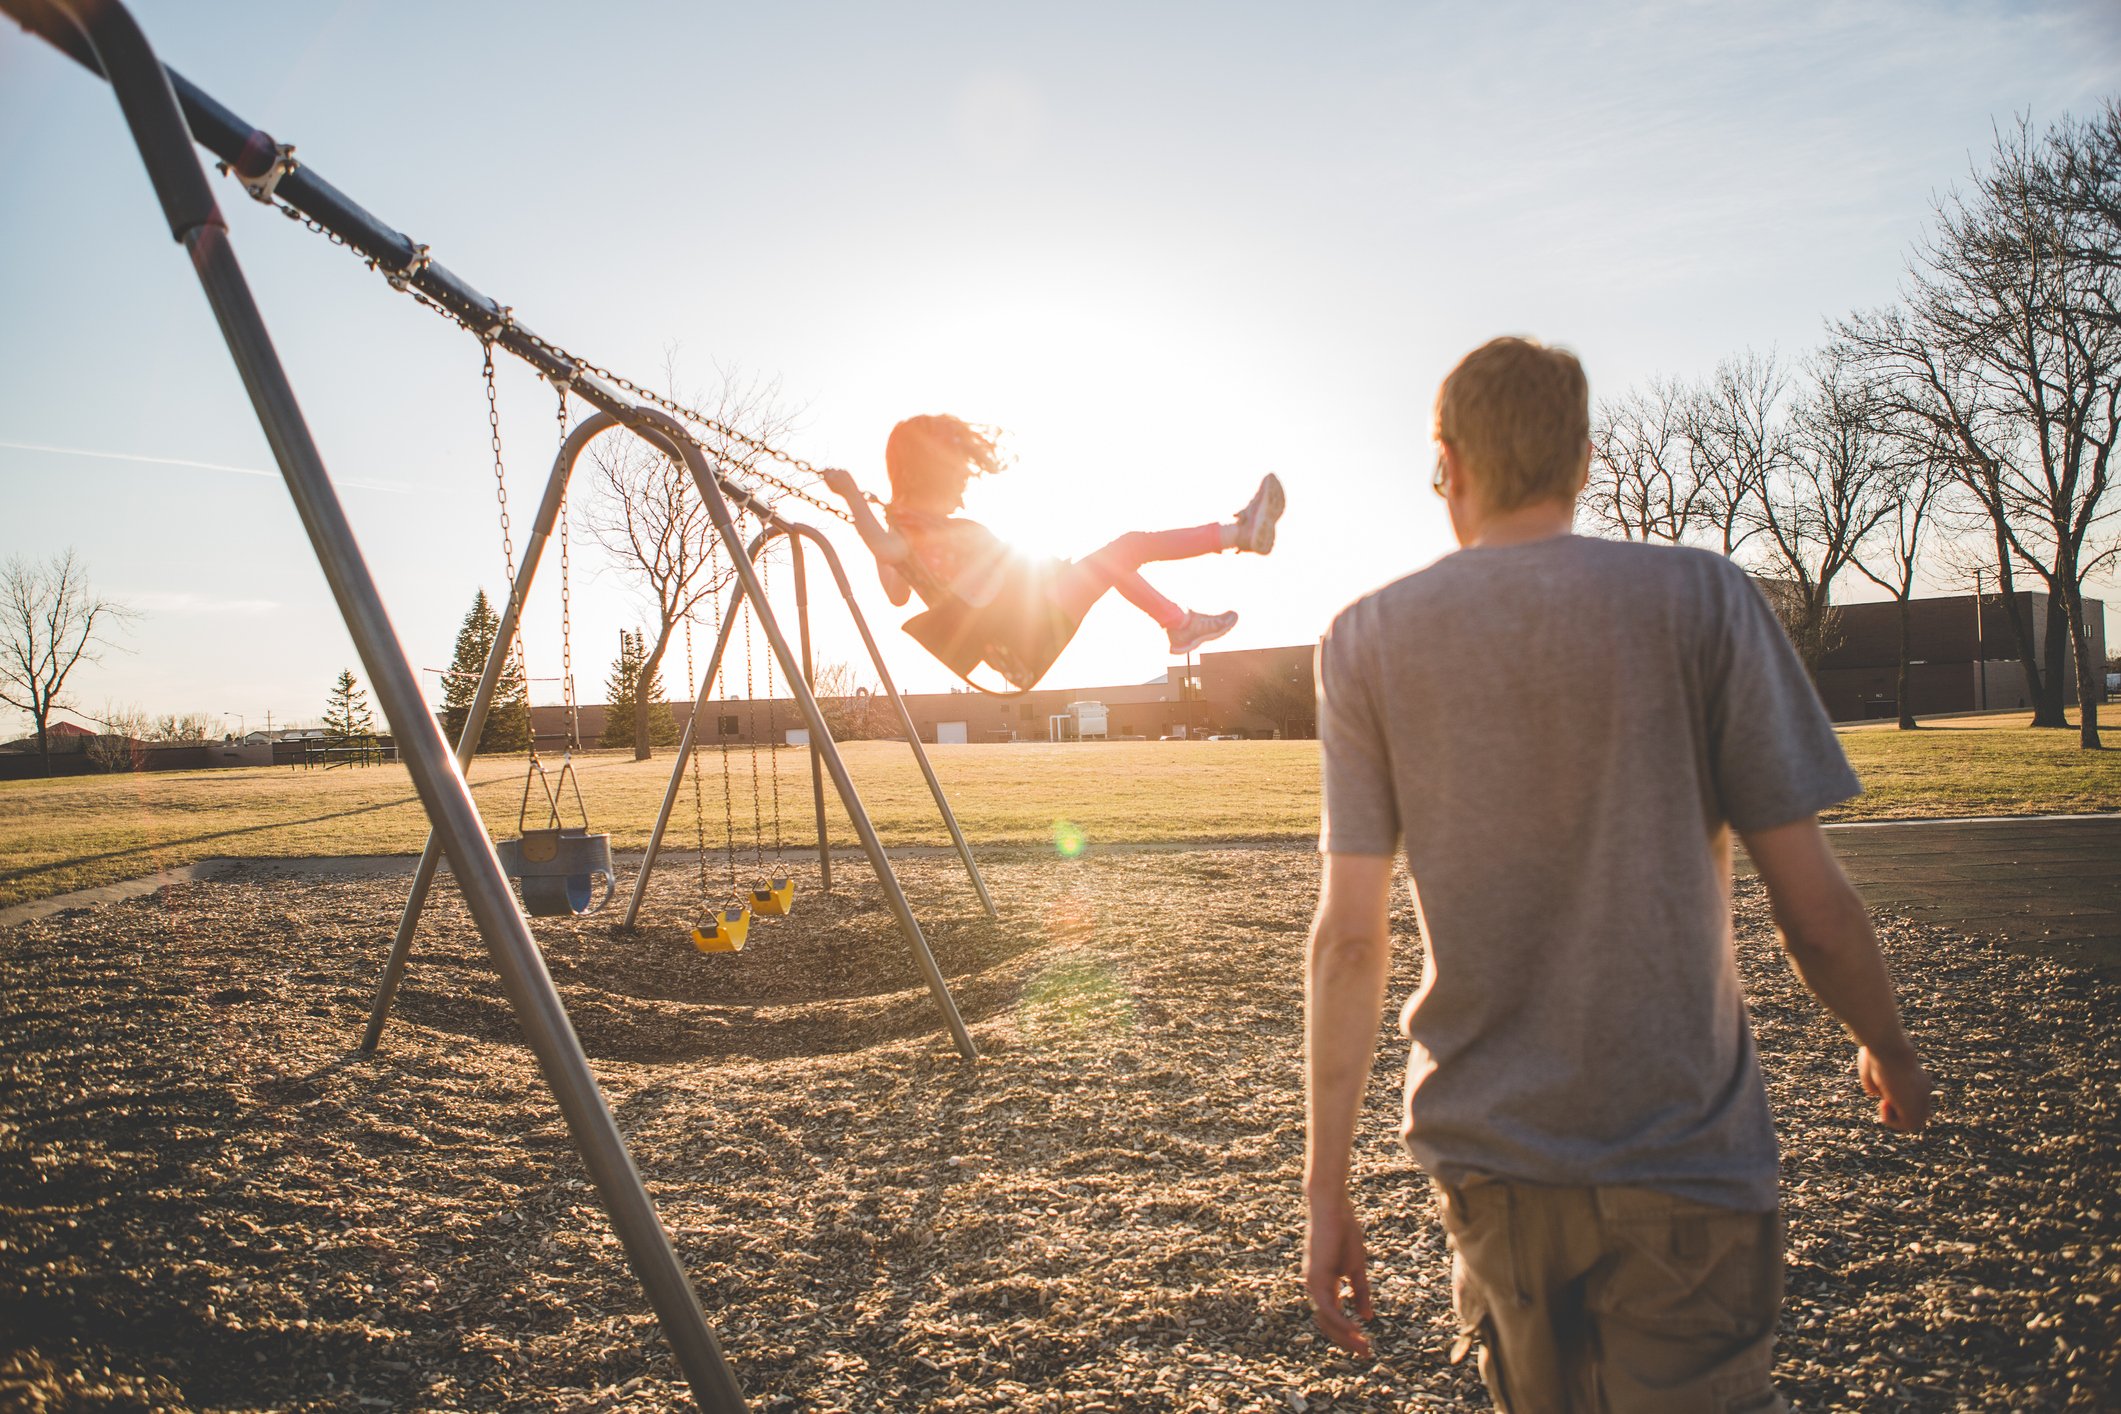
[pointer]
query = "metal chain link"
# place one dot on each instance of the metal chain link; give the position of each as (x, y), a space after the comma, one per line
(728, 802)
(402, 280)
(751, 711)
(699, 808)
(718, 428)
(508, 547)
(574, 720)
(773, 730)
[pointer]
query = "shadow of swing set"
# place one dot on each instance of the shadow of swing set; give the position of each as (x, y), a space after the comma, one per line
(164, 114)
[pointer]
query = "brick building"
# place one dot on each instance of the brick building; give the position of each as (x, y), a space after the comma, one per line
(1963, 655)
(1219, 698)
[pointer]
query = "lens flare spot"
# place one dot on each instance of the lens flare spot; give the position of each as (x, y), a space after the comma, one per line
(1068, 839)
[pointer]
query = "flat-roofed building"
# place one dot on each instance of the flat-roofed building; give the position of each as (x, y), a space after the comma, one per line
(1962, 651)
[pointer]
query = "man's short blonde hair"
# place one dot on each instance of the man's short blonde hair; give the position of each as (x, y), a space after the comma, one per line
(1518, 416)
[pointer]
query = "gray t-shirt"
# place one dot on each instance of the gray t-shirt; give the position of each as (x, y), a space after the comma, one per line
(1563, 733)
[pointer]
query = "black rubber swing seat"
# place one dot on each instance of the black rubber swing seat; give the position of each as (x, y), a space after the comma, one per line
(556, 870)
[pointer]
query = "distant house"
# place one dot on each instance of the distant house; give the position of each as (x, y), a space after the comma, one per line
(65, 737)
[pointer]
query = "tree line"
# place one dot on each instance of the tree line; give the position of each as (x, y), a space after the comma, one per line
(1963, 432)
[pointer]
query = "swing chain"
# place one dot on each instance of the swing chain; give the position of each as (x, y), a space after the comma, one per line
(714, 425)
(508, 549)
(405, 281)
(574, 723)
(751, 724)
(773, 732)
(728, 801)
(699, 810)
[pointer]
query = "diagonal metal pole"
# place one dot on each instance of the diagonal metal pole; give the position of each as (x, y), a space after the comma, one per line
(150, 107)
(668, 434)
(475, 721)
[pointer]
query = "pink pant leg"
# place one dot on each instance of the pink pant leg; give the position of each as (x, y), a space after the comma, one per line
(1118, 565)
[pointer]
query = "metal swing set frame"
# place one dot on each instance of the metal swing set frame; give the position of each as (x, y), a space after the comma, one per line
(165, 114)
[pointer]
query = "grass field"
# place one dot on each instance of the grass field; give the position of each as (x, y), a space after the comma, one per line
(67, 834)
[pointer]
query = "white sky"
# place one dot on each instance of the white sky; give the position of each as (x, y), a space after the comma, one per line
(1167, 247)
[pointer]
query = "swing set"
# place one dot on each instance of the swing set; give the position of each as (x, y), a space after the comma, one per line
(555, 864)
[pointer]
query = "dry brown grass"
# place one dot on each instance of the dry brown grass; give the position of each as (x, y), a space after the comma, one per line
(67, 834)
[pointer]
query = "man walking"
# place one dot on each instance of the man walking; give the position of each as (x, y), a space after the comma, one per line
(1583, 1088)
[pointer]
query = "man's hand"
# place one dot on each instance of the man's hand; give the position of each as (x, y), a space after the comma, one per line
(1333, 1252)
(1831, 943)
(840, 483)
(1900, 1085)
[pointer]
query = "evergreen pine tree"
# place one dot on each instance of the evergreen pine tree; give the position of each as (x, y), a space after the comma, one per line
(620, 691)
(347, 716)
(508, 718)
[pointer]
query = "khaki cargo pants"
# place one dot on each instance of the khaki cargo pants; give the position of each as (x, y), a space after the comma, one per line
(1614, 1300)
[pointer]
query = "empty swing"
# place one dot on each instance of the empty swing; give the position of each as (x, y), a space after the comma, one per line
(555, 865)
(726, 928)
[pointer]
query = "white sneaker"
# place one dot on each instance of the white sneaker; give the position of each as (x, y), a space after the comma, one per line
(1195, 629)
(1255, 523)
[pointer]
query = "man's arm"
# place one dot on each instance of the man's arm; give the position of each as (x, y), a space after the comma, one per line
(1832, 946)
(1347, 961)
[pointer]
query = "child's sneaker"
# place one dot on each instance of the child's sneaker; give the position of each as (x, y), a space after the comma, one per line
(1195, 629)
(1255, 523)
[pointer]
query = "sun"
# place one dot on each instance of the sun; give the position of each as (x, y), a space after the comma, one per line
(1099, 403)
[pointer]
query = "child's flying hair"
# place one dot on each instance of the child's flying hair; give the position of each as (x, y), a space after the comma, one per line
(937, 450)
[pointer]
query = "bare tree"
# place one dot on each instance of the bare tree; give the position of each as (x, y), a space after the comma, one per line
(851, 707)
(1890, 556)
(122, 744)
(1738, 436)
(647, 514)
(181, 727)
(2008, 346)
(1288, 699)
(1819, 487)
(53, 622)
(2081, 183)
(1645, 481)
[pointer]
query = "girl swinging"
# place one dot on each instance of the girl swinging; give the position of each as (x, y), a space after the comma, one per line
(986, 602)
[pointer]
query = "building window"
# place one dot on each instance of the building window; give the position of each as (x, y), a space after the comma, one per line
(726, 725)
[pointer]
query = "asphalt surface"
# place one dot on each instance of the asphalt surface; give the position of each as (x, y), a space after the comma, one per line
(2051, 884)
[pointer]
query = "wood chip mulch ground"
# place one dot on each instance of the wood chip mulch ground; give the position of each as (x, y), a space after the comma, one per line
(207, 1201)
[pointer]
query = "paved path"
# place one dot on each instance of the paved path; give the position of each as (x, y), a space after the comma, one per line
(2049, 883)
(2052, 884)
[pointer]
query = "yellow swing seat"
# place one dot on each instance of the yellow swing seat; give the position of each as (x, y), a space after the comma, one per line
(775, 897)
(724, 931)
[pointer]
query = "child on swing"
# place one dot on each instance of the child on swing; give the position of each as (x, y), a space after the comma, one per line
(985, 601)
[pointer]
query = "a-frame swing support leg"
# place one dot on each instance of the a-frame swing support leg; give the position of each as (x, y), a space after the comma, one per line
(490, 676)
(109, 36)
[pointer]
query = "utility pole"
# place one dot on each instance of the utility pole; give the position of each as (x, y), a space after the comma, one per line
(1980, 652)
